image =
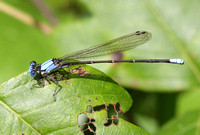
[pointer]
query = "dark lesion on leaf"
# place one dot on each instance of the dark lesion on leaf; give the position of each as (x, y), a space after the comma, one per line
(83, 72)
(86, 124)
(80, 71)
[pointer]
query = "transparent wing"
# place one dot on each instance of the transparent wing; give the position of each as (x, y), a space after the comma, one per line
(117, 45)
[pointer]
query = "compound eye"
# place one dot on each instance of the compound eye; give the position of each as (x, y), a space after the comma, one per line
(33, 73)
(33, 63)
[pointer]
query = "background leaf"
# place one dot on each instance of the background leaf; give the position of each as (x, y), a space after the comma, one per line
(188, 124)
(188, 101)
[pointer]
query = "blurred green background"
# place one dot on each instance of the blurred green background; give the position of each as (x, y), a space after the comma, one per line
(166, 96)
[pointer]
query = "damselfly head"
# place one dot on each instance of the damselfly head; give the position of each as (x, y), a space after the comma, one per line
(33, 63)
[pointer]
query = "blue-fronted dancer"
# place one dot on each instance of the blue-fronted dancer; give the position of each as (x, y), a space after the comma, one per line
(117, 45)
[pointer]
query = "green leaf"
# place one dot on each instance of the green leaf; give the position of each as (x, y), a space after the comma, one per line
(27, 111)
(188, 101)
(188, 124)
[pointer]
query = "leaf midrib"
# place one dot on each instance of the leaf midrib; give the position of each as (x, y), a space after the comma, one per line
(19, 117)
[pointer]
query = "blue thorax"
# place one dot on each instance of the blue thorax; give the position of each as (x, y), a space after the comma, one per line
(48, 66)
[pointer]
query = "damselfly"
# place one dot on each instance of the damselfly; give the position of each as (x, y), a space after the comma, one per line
(117, 45)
